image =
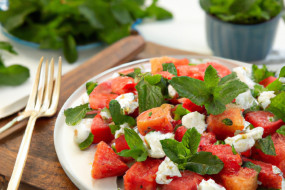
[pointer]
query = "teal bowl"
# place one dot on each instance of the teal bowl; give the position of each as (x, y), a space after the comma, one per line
(238, 41)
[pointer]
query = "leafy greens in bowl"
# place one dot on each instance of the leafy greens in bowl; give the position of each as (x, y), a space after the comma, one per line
(68, 23)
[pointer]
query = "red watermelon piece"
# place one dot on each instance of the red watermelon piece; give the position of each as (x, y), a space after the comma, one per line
(262, 119)
(122, 85)
(267, 81)
(188, 181)
(121, 143)
(101, 130)
(142, 175)
(266, 175)
(107, 163)
(232, 163)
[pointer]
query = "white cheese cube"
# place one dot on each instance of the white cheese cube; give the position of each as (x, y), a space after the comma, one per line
(264, 98)
(210, 185)
(105, 114)
(127, 102)
(194, 119)
(82, 130)
(153, 140)
(244, 74)
(246, 100)
(167, 168)
(243, 142)
(276, 170)
(171, 91)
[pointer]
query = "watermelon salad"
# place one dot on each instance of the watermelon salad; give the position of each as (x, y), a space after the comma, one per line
(186, 126)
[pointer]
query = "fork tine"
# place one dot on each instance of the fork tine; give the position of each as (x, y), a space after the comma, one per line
(43, 79)
(32, 98)
(48, 89)
(56, 90)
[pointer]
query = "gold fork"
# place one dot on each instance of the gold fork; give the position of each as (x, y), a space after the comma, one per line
(42, 102)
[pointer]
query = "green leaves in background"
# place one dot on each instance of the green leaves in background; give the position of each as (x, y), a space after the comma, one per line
(186, 156)
(12, 75)
(214, 92)
(266, 145)
(260, 74)
(66, 24)
(74, 115)
(242, 11)
(137, 149)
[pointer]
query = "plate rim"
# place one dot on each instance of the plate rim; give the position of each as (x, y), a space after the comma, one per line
(71, 97)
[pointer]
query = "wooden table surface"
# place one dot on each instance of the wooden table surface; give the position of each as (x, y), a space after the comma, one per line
(43, 170)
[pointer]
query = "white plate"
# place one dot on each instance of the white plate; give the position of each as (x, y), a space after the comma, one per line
(77, 164)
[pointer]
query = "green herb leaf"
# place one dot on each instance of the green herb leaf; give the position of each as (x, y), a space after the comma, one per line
(74, 115)
(170, 67)
(152, 80)
(114, 128)
(281, 130)
(191, 140)
(203, 163)
(137, 149)
(255, 92)
(69, 49)
(175, 150)
(149, 96)
(90, 86)
(149, 114)
(282, 72)
(260, 74)
(211, 78)
(251, 165)
(85, 144)
(179, 112)
(277, 106)
(234, 150)
(275, 86)
(117, 116)
(266, 145)
(13, 75)
(6, 46)
(227, 121)
(219, 142)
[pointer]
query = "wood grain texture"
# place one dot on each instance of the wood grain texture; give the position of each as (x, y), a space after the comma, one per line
(42, 169)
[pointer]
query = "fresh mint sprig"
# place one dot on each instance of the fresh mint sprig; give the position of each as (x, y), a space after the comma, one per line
(90, 86)
(170, 67)
(266, 145)
(117, 116)
(185, 154)
(281, 130)
(74, 115)
(277, 106)
(214, 93)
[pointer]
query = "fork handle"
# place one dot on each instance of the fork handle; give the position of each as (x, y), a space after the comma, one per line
(12, 122)
(22, 155)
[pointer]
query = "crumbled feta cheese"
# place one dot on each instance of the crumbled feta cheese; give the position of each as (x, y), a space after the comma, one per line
(121, 131)
(210, 185)
(153, 140)
(194, 119)
(282, 79)
(115, 75)
(244, 74)
(84, 98)
(246, 100)
(105, 114)
(246, 127)
(165, 169)
(264, 98)
(243, 142)
(171, 91)
(128, 102)
(82, 130)
(276, 170)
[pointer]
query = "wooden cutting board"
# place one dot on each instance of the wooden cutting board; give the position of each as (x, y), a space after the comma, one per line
(43, 170)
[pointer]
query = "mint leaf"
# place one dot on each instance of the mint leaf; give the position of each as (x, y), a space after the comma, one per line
(275, 86)
(203, 163)
(227, 121)
(266, 145)
(281, 130)
(255, 92)
(179, 112)
(149, 96)
(219, 142)
(74, 115)
(134, 74)
(90, 86)
(211, 77)
(117, 116)
(170, 67)
(114, 128)
(213, 93)
(137, 149)
(234, 150)
(6, 46)
(191, 140)
(251, 165)
(260, 74)
(175, 150)
(277, 106)
(282, 72)
(85, 144)
(191, 88)
(152, 79)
